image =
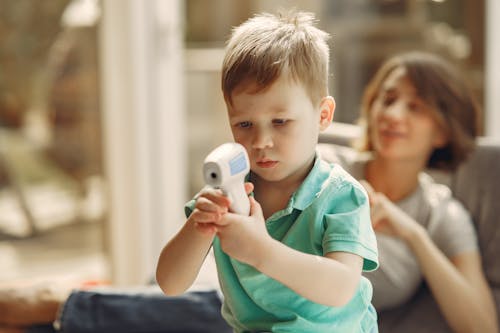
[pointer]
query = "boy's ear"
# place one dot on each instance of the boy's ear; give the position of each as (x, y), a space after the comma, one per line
(327, 109)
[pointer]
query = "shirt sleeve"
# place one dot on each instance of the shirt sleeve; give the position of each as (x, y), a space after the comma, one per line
(189, 207)
(348, 225)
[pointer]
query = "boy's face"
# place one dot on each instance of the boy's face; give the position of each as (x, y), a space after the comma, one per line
(279, 128)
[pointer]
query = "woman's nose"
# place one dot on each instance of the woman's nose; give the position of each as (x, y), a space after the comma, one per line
(397, 111)
(262, 139)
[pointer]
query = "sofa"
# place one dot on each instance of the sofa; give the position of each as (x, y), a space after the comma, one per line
(477, 185)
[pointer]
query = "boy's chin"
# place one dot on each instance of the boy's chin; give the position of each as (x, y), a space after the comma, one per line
(269, 175)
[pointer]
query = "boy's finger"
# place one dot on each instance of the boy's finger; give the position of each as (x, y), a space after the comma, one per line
(206, 228)
(255, 208)
(216, 197)
(206, 205)
(248, 187)
(205, 217)
(226, 219)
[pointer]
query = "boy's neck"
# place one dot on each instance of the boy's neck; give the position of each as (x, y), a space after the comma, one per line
(273, 196)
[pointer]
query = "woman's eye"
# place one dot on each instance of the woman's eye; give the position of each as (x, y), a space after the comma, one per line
(414, 107)
(387, 100)
(280, 122)
(244, 124)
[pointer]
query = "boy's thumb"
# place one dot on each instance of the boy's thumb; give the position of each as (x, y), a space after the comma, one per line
(255, 208)
(248, 188)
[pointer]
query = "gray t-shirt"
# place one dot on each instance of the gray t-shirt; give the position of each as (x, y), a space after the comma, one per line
(432, 205)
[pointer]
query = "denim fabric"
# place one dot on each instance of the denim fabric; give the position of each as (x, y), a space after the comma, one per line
(141, 312)
(41, 329)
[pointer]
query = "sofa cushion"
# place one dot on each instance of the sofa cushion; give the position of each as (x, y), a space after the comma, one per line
(421, 314)
(477, 185)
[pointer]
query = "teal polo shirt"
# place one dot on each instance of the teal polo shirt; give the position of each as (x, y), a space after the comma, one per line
(329, 212)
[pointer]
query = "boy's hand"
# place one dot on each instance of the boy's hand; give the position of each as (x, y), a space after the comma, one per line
(387, 218)
(244, 237)
(210, 206)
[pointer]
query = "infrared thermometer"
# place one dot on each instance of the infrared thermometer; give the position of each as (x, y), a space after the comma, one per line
(225, 168)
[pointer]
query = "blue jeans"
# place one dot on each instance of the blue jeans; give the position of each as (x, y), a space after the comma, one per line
(147, 311)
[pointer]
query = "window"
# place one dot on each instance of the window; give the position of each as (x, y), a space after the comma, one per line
(51, 176)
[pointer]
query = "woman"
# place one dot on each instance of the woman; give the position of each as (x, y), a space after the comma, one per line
(417, 113)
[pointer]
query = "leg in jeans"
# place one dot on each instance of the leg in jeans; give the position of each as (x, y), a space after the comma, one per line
(148, 312)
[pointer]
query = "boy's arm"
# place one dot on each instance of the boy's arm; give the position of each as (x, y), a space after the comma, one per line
(331, 280)
(181, 259)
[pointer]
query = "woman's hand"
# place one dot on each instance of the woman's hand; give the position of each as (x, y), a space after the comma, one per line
(387, 218)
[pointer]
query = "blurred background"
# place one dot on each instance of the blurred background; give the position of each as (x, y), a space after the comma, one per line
(108, 108)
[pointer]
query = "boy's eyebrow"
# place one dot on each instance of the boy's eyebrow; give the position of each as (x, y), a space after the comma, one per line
(280, 110)
(276, 109)
(233, 112)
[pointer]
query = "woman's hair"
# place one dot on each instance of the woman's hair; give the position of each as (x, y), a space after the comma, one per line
(440, 85)
(267, 46)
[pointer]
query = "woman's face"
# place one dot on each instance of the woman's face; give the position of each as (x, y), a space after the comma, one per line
(402, 123)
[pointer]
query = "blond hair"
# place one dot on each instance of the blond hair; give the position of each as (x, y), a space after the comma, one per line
(267, 46)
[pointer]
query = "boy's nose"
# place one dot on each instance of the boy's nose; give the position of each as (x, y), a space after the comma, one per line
(262, 139)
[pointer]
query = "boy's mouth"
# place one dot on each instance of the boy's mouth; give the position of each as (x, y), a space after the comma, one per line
(266, 163)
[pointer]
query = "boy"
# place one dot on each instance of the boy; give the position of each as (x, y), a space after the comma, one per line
(294, 264)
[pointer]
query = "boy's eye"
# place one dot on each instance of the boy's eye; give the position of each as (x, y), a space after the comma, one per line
(244, 124)
(280, 121)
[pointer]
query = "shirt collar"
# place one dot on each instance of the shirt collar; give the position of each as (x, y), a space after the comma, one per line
(312, 184)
